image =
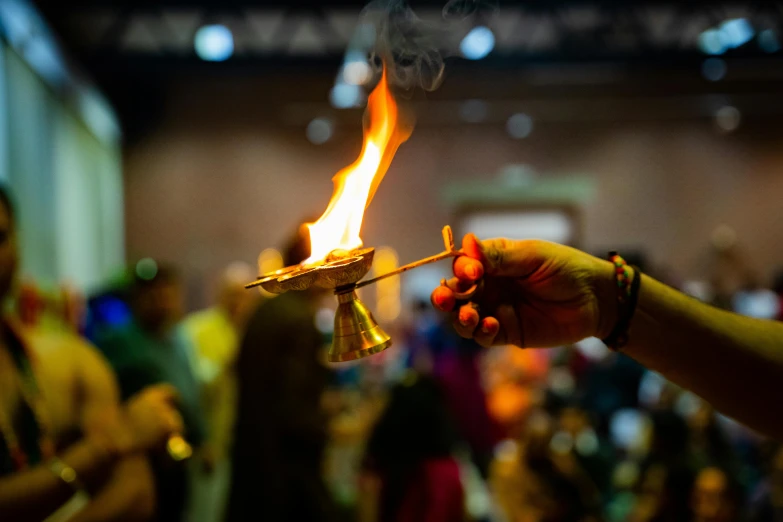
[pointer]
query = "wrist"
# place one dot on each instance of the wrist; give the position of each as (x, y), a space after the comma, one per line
(89, 460)
(111, 446)
(605, 289)
(627, 283)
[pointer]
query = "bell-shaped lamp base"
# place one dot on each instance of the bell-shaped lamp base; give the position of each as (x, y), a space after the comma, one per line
(356, 334)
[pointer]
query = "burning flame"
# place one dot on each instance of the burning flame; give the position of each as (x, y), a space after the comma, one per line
(355, 185)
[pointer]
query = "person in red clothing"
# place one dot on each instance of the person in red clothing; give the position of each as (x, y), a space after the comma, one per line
(410, 458)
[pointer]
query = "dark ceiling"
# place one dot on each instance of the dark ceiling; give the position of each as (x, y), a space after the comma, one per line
(136, 49)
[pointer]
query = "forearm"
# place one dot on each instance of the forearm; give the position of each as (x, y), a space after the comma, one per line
(33, 495)
(128, 495)
(734, 362)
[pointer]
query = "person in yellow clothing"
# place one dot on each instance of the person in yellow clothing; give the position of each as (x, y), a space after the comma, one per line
(213, 337)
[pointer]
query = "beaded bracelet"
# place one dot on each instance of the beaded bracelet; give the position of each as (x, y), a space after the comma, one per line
(627, 296)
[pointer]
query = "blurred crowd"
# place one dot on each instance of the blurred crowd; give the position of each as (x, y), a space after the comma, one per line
(435, 429)
(577, 433)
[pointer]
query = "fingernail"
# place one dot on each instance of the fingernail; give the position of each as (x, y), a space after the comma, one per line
(471, 271)
(462, 321)
(485, 329)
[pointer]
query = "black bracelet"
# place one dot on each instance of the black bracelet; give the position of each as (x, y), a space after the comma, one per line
(626, 306)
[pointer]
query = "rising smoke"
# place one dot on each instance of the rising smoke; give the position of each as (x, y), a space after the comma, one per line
(413, 50)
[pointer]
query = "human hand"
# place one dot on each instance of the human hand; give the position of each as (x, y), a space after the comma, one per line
(536, 293)
(152, 416)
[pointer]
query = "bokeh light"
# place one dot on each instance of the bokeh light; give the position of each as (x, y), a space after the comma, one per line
(627, 427)
(730, 35)
(356, 73)
(345, 96)
(710, 42)
(269, 260)
(728, 118)
(324, 320)
(474, 111)
(214, 43)
(320, 130)
(519, 125)
(147, 269)
(713, 69)
(723, 237)
(356, 70)
(736, 32)
(768, 41)
(478, 43)
(586, 443)
(388, 293)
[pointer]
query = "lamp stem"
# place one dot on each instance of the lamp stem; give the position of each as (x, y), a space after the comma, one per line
(411, 266)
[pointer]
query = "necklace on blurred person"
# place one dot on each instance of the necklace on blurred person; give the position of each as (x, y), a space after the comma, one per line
(23, 377)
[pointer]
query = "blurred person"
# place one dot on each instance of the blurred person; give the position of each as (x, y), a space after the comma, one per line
(714, 498)
(592, 451)
(662, 493)
(281, 430)
(766, 503)
(68, 449)
(424, 335)
(30, 304)
(454, 363)
(708, 443)
(657, 499)
(410, 472)
(61, 310)
(150, 350)
(352, 415)
(536, 480)
(513, 379)
(610, 385)
(542, 294)
(213, 339)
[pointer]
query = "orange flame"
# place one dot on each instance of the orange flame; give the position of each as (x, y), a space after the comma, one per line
(355, 185)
